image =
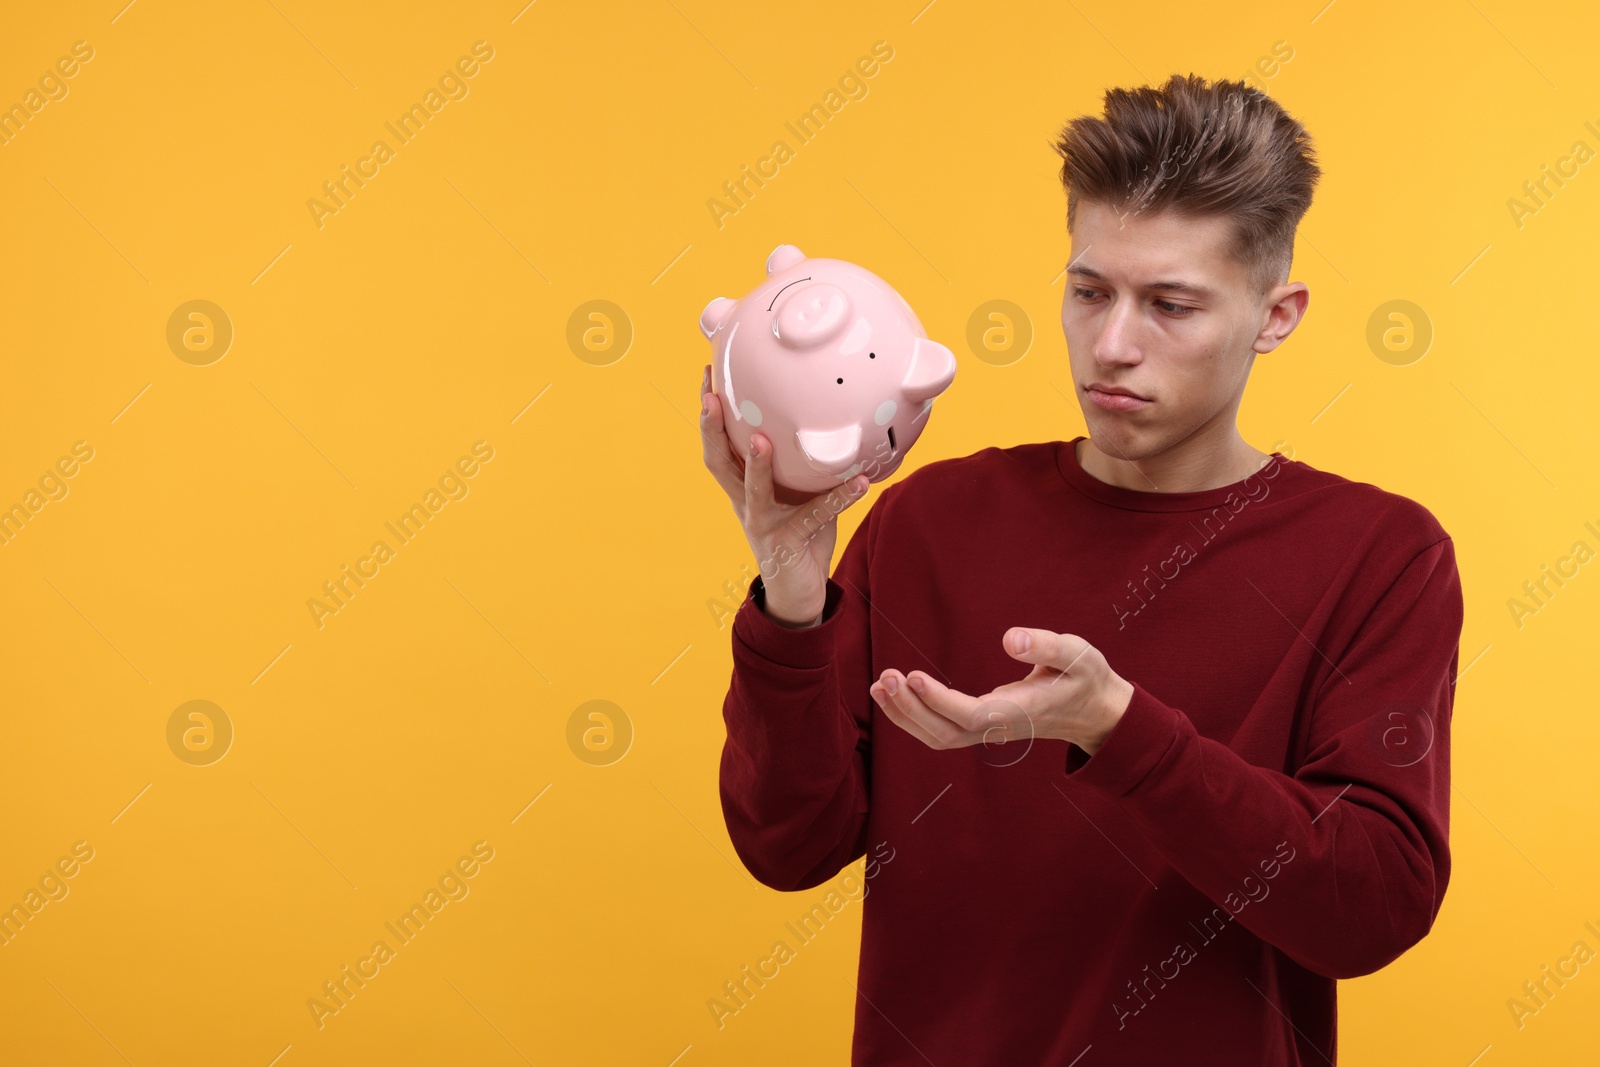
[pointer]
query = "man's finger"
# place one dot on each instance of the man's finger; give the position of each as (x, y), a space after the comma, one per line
(898, 716)
(952, 705)
(716, 449)
(1045, 647)
(902, 720)
(758, 473)
(935, 730)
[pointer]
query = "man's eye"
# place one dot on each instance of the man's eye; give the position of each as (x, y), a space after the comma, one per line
(1177, 311)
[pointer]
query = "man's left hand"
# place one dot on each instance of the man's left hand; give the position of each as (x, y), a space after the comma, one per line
(1072, 694)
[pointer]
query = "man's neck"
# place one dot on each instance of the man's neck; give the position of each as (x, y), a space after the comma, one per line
(1190, 467)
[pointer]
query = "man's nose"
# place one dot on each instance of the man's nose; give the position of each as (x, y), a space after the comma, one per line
(1118, 340)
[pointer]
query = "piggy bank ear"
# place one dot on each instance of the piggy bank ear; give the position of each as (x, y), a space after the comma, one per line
(933, 368)
(783, 257)
(714, 314)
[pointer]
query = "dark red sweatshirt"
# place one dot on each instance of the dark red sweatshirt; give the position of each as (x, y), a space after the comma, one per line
(1269, 815)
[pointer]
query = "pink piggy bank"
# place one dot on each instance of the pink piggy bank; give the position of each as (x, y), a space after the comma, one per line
(829, 362)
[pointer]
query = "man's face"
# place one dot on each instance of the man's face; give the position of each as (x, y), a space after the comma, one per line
(1132, 324)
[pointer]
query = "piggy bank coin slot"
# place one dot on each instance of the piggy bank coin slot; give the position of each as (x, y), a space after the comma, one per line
(779, 293)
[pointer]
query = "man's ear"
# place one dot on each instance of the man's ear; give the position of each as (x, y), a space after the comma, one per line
(1283, 316)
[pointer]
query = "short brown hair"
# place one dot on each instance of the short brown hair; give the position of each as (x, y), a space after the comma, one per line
(1198, 148)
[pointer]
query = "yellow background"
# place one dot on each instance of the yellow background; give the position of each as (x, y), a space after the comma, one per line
(430, 311)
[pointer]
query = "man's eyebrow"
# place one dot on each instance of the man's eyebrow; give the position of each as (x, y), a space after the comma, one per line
(1187, 288)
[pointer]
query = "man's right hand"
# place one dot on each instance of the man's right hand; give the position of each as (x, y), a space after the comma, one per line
(792, 536)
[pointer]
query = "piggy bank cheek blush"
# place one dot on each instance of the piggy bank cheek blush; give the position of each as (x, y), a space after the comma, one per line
(830, 363)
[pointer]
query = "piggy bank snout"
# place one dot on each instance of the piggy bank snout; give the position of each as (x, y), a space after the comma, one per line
(811, 314)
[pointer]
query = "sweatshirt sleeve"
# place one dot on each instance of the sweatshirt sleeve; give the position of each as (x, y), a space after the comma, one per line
(798, 713)
(1362, 824)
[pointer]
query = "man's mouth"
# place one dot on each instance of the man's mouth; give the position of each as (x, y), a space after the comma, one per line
(1115, 397)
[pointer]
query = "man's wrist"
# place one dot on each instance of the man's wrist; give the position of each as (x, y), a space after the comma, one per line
(816, 620)
(1118, 695)
(785, 621)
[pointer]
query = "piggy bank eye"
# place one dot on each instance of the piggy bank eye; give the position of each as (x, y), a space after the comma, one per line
(840, 381)
(872, 355)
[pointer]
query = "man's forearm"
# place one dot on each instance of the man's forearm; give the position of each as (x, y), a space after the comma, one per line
(793, 771)
(1370, 864)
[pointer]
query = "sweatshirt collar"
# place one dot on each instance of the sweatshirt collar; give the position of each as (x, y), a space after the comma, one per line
(1249, 487)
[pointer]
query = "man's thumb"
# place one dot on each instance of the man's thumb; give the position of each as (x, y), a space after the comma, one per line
(1019, 641)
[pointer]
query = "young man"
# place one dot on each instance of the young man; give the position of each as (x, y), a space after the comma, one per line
(1156, 725)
